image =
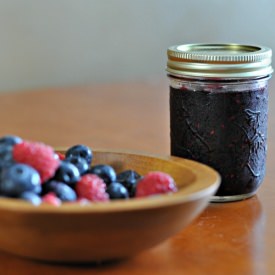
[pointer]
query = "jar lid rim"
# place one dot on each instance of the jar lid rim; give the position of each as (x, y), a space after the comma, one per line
(217, 60)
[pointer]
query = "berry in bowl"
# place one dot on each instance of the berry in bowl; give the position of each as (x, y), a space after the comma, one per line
(84, 205)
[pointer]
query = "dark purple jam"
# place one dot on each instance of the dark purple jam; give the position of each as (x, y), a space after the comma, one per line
(226, 130)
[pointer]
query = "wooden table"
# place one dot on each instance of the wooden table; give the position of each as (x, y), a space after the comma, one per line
(230, 238)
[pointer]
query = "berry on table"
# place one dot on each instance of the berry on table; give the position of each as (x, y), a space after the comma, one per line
(91, 187)
(37, 155)
(155, 183)
(106, 172)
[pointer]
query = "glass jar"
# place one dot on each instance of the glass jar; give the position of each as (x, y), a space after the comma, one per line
(218, 111)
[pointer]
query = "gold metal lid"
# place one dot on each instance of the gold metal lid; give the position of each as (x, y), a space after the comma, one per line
(219, 60)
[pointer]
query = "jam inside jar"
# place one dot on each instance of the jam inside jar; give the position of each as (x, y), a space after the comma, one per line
(221, 119)
(224, 125)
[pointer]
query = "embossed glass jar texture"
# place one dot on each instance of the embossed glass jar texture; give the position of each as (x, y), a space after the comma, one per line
(222, 122)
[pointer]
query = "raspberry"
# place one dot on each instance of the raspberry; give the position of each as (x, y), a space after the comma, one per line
(38, 155)
(60, 155)
(52, 199)
(155, 183)
(91, 187)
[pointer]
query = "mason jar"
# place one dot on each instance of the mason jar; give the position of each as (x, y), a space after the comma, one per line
(218, 111)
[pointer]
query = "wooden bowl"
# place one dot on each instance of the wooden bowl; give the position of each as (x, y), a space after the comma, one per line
(112, 230)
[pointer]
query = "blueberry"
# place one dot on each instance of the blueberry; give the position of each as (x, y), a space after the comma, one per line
(19, 178)
(106, 172)
(6, 158)
(129, 180)
(117, 191)
(10, 140)
(48, 186)
(80, 163)
(63, 191)
(6, 147)
(82, 151)
(31, 197)
(67, 173)
(38, 189)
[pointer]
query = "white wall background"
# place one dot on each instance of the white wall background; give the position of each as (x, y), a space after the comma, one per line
(46, 43)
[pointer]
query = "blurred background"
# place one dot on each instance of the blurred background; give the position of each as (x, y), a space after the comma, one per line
(76, 42)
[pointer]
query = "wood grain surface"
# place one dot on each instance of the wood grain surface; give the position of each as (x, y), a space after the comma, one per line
(229, 238)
